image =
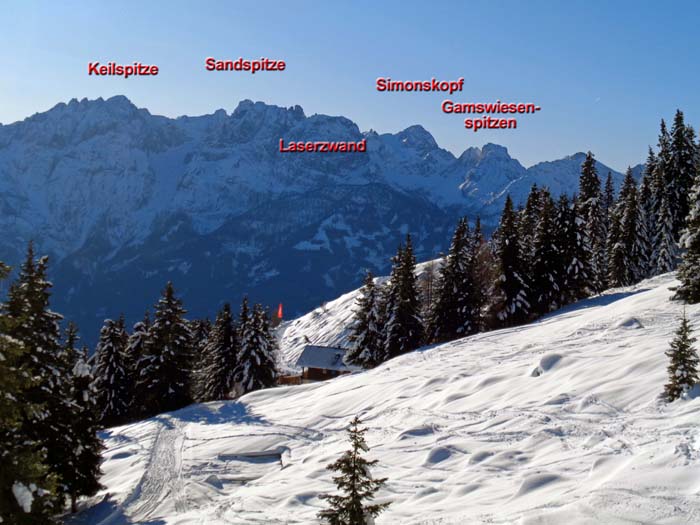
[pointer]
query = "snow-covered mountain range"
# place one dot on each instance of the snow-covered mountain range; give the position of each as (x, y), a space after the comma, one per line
(556, 422)
(124, 201)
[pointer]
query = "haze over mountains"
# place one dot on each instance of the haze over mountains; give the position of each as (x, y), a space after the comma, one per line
(124, 201)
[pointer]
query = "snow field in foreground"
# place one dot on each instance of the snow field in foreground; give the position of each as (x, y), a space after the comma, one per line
(557, 422)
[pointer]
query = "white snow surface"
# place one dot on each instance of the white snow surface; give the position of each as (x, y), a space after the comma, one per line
(556, 422)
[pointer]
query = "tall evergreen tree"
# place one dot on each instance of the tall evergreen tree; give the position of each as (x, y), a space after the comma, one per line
(256, 366)
(590, 207)
(546, 281)
(689, 270)
(163, 382)
(528, 218)
(683, 369)
(453, 311)
(83, 479)
(404, 326)
(482, 269)
(667, 252)
(617, 257)
(356, 485)
(665, 182)
(138, 340)
(511, 304)
(646, 219)
(112, 376)
(683, 170)
(607, 208)
(135, 348)
(366, 341)
(24, 470)
(220, 358)
(37, 328)
(563, 218)
(625, 268)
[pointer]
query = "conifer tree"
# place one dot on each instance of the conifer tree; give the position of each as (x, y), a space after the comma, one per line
(256, 365)
(666, 254)
(689, 270)
(545, 291)
(112, 377)
(683, 170)
(220, 355)
(683, 369)
(527, 224)
(646, 219)
(578, 280)
(163, 383)
(591, 212)
(37, 327)
(666, 183)
(607, 208)
(23, 460)
(511, 302)
(200, 329)
(564, 241)
(483, 264)
(617, 257)
(135, 348)
(85, 456)
(137, 341)
(404, 326)
(366, 342)
(356, 486)
(453, 311)
(625, 268)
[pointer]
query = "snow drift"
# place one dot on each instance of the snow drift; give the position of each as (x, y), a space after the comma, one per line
(464, 431)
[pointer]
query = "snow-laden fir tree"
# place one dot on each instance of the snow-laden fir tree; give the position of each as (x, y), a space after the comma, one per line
(219, 358)
(353, 505)
(164, 370)
(683, 170)
(683, 368)
(545, 281)
(646, 220)
(483, 267)
(511, 304)
(624, 254)
(137, 341)
(113, 382)
(366, 340)
(135, 347)
(23, 461)
(664, 180)
(689, 269)
(607, 208)
(83, 480)
(563, 219)
(404, 325)
(617, 258)
(527, 224)
(200, 329)
(453, 311)
(666, 248)
(37, 328)
(590, 209)
(256, 366)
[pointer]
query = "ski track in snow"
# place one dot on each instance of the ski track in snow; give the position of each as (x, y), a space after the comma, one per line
(162, 478)
(555, 422)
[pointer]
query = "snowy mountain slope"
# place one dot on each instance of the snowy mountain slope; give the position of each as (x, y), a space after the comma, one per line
(555, 422)
(124, 201)
(329, 324)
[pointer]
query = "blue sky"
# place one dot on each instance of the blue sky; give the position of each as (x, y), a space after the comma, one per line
(603, 72)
